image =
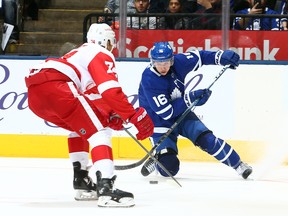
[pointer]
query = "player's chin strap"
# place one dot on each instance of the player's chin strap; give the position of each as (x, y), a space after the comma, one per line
(176, 123)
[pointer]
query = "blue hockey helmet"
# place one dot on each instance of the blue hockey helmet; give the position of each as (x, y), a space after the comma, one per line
(162, 52)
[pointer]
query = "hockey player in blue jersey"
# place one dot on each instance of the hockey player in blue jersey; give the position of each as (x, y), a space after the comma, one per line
(162, 94)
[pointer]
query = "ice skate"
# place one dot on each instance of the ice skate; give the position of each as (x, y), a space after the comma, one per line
(148, 167)
(108, 196)
(244, 170)
(83, 184)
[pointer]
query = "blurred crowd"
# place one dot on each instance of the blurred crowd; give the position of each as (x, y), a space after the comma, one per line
(170, 14)
(198, 14)
(14, 12)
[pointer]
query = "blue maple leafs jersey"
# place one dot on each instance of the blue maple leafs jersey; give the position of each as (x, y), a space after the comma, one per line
(257, 23)
(162, 96)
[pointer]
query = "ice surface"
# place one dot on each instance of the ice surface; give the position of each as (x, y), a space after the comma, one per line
(33, 187)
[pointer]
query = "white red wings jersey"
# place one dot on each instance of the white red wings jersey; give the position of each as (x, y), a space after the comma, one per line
(92, 69)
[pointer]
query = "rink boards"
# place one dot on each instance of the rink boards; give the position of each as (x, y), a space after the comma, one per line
(248, 108)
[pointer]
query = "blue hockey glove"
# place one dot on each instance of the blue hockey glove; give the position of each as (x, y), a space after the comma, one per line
(202, 94)
(227, 57)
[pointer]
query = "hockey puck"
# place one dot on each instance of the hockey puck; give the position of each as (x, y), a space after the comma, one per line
(153, 182)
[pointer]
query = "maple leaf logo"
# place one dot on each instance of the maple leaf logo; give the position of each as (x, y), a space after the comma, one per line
(176, 93)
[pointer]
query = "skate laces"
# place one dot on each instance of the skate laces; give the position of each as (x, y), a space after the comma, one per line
(89, 181)
(148, 167)
(112, 183)
(106, 184)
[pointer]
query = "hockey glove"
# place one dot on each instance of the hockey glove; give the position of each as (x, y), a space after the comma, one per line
(116, 123)
(143, 123)
(202, 95)
(227, 57)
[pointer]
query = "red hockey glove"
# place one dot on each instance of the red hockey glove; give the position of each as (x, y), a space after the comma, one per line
(116, 123)
(143, 123)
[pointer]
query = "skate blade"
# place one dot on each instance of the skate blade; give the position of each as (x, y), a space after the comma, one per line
(107, 202)
(84, 195)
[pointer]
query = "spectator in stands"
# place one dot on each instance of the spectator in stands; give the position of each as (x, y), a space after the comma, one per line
(252, 23)
(31, 9)
(284, 10)
(207, 21)
(174, 22)
(282, 7)
(43, 3)
(190, 6)
(10, 17)
(158, 6)
(240, 5)
(271, 4)
(141, 7)
(113, 6)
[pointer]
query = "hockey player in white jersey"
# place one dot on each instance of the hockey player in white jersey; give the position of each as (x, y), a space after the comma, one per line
(165, 94)
(80, 92)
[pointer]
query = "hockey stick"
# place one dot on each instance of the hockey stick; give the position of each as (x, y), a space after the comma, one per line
(176, 123)
(151, 156)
